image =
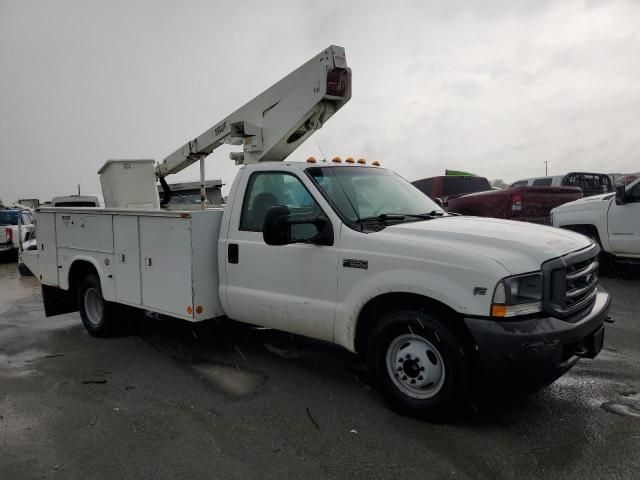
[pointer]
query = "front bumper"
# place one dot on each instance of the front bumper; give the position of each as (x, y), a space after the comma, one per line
(544, 344)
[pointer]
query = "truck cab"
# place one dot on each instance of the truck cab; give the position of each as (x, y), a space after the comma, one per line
(589, 183)
(612, 220)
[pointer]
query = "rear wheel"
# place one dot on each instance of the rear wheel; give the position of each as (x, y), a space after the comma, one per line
(99, 317)
(418, 363)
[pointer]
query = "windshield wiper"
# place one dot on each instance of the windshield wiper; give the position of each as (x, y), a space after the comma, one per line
(399, 217)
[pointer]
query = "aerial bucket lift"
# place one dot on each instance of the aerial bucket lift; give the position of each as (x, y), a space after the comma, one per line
(274, 123)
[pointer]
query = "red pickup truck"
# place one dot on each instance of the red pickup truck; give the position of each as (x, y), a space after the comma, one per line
(446, 187)
(530, 204)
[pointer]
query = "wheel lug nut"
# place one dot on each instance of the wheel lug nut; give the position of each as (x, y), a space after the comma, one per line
(399, 369)
(420, 377)
(422, 369)
(413, 381)
(407, 356)
(404, 377)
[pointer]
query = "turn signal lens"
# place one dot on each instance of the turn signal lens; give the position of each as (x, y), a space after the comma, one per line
(362, 161)
(375, 163)
(498, 311)
(336, 160)
(311, 160)
(349, 160)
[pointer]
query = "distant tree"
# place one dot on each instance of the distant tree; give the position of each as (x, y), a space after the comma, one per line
(498, 182)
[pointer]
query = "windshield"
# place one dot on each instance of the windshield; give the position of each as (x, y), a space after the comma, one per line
(8, 217)
(359, 193)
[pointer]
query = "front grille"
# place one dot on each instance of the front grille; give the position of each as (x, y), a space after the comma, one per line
(582, 280)
(571, 282)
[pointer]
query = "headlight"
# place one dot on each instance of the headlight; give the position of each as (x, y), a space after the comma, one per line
(519, 295)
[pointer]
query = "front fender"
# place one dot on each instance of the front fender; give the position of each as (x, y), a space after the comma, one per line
(449, 290)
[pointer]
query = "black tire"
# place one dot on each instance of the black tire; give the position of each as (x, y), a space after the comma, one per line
(99, 317)
(24, 271)
(415, 327)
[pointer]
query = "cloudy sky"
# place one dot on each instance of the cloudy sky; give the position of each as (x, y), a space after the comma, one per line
(492, 87)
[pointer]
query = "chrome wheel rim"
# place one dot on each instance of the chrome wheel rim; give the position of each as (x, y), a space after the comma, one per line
(415, 366)
(93, 306)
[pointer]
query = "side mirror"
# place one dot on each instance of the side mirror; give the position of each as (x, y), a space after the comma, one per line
(621, 195)
(439, 202)
(280, 228)
(276, 230)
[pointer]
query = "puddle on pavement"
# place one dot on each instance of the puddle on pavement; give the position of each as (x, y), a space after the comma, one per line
(622, 409)
(231, 381)
(17, 288)
(284, 353)
(629, 405)
(19, 364)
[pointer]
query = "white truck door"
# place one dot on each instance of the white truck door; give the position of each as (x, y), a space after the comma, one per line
(624, 224)
(290, 287)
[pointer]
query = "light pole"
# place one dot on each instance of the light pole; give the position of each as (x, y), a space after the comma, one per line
(545, 167)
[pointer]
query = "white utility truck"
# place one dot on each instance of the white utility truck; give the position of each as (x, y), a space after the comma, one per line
(611, 220)
(339, 251)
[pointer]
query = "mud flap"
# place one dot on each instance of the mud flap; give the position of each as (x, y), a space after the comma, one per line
(57, 301)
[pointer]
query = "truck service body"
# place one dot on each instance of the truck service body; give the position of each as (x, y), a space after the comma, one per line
(349, 254)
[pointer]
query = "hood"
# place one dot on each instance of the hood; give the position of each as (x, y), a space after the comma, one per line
(594, 202)
(519, 247)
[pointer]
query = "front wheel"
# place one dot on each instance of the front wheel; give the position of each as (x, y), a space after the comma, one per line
(418, 364)
(99, 317)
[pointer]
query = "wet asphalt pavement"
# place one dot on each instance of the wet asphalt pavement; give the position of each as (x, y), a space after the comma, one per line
(175, 400)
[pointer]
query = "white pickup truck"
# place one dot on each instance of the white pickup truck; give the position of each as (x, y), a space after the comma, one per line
(16, 226)
(338, 251)
(612, 220)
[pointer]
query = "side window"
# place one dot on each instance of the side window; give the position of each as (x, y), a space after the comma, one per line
(634, 193)
(542, 182)
(521, 183)
(268, 189)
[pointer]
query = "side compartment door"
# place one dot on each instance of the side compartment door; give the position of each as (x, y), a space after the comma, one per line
(47, 251)
(127, 259)
(624, 224)
(165, 248)
(291, 287)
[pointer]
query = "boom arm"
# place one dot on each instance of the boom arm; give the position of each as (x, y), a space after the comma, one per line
(277, 121)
